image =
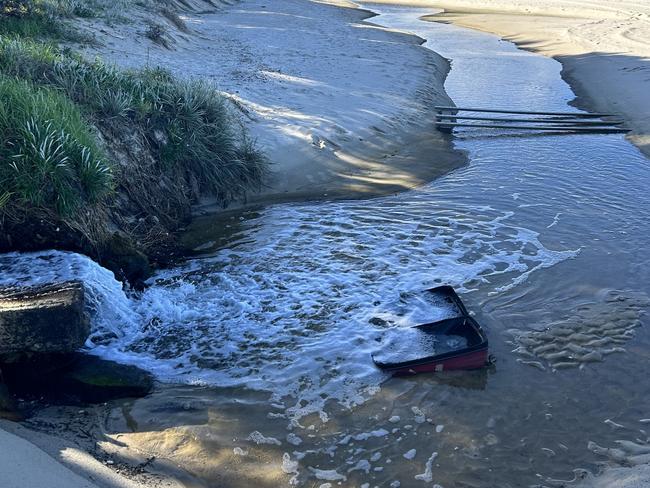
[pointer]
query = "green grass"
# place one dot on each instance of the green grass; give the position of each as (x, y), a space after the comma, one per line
(187, 125)
(50, 158)
(45, 19)
(79, 134)
(30, 27)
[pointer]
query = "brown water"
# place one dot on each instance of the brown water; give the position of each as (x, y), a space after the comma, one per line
(264, 346)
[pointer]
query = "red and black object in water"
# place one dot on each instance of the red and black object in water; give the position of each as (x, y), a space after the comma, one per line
(473, 354)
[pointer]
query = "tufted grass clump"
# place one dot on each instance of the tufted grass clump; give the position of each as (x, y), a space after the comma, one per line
(49, 158)
(187, 125)
(43, 19)
(26, 18)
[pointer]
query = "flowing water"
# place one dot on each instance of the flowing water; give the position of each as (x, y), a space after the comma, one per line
(265, 345)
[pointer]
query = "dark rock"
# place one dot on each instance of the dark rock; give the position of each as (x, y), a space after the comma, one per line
(42, 319)
(378, 321)
(8, 408)
(128, 263)
(77, 378)
(97, 380)
(6, 400)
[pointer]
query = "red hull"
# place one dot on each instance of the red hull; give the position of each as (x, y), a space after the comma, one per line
(471, 360)
(474, 354)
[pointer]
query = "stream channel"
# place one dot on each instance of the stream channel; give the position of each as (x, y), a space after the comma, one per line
(263, 346)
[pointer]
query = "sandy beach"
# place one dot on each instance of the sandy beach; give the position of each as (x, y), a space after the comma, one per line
(16, 472)
(603, 46)
(327, 99)
(32, 459)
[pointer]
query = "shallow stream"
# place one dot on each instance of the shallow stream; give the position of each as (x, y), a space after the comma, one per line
(264, 345)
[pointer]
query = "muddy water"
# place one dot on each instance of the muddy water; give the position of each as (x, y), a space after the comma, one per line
(263, 346)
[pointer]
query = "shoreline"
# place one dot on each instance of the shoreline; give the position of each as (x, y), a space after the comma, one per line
(68, 459)
(337, 118)
(604, 79)
(49, 459)
(394, 146)
(415, 156)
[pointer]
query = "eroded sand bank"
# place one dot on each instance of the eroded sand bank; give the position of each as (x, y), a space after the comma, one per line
(341, 106)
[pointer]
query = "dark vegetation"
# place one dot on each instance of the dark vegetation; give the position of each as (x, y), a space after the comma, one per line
(101, 160)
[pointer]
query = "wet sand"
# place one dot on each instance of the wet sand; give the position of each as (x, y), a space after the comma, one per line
(62, 454)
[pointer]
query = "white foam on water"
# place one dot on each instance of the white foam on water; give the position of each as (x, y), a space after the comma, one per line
(367, 435)
(419, 418)
(415, 308)
(362, 465)
(289, 466)
(427, 476)
(287, 309)
(258, 438)
(111, 310)
(294, 439)
(410, 454)
(327, 474)
(407, 344)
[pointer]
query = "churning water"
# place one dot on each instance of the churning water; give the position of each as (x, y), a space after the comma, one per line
(544, 235)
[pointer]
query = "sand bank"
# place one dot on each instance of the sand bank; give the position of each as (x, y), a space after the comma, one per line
(62, 459)
(604, 46)
(340, 106)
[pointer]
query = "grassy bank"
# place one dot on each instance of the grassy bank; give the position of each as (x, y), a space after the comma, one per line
(96, 150)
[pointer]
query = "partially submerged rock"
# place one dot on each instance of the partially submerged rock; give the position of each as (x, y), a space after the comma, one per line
(125, 260)
(42, 319)
(41, 330)
(8, 407)
(95, 380)
(77, 378)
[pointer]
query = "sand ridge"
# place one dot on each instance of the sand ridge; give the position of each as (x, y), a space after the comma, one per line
(341, 106)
